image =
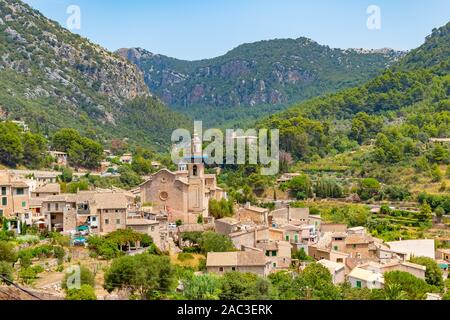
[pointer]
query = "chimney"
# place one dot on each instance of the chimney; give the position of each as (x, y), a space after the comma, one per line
(289, 213)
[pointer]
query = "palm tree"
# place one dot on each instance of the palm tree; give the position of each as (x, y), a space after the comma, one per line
(394, 292)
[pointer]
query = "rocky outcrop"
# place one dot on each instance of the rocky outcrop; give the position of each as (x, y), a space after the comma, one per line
(62, 65)
(267, 72)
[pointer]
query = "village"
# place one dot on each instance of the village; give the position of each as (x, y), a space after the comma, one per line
(172, 208)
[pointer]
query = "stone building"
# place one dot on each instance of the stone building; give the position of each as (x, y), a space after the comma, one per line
(241, 261)
(14, 196)
(103, 212)
(184, 194)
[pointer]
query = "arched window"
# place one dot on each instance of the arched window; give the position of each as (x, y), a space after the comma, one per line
(195, 171)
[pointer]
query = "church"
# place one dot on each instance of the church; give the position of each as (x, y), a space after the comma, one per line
(184, 194)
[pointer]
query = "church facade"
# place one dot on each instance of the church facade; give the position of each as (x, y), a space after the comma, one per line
(184, 194)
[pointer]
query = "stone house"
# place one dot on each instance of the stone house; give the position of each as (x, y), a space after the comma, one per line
(43, 178)
(145, 226)
(60, 157)
(14, 197)
(416, 270)
(254, 214)
(290, 215)
(49, 189)
(254, 262)
(279, 253)
(102, 212)
(362, 278)
(336, 269)
(226, 226)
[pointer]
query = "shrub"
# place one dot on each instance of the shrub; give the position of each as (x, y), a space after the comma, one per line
(183, 256)
(86, 292)
(6, 271)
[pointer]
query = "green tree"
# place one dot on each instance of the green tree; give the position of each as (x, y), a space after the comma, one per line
(149, 276)
(439, 154)
(6, 271)
(221, 209)
(243, 286)
(11, 147)
(203, 287)
(328, 188)
(128, 177)
(301, 187)
(66, 175)
(315, 283)
(414, 288)
(284, 286)
(433, 274)
(436, 174)
(368, 188)
(86, 292)
(141, 166)
(215, 242)
(7, 252)
(86, 278)
(34, 150)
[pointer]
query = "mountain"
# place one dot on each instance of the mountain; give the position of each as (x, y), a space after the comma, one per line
(434, 53)
(408, 104)
(266, 73)
(52, 78)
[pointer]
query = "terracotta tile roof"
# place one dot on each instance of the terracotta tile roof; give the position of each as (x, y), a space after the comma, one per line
(141, 222)
(49, 188)
(228, 220)
(366, 275)
(356, 239)
(236, 259)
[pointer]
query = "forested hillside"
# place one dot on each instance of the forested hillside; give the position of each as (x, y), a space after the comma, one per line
(406, 105)
(257, 78)
(52, 78)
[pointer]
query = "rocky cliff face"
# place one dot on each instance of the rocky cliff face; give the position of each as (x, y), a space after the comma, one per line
(262, 73)
(60, 65)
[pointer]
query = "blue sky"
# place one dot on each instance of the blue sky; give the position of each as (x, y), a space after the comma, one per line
(196, 29)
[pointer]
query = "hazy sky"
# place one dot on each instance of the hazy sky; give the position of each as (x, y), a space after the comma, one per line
(195, 29)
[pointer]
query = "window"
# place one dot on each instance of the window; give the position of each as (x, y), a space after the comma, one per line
(267, 253)
(106, 221)
(1, 213)
(354, 246)
(56, 206)
(24, 204)
(296, 238)
(358, 284)
(339, 260)
(20, 191)
(53, 217)
(274, 253)
(37, 195)
(94, 219)
(117, 211)
(233, 268)
(195, 171)
(152, 228)
(27, 216)
(335, 248)
(4, 201)
(220, 269)
(3, 191)
(274, 265)
(48, 207)
(287, 238)
(118, 221)
(163, 196)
